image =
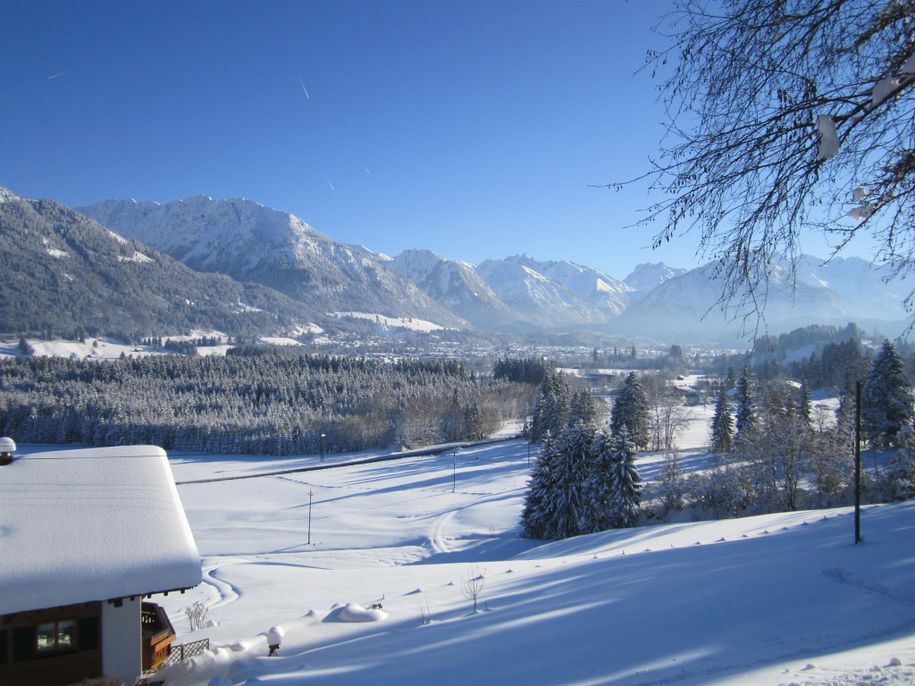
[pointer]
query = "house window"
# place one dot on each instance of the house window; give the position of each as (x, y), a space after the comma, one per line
(54, 637)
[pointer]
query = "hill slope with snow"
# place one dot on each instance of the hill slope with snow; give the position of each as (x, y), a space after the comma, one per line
(773, 599)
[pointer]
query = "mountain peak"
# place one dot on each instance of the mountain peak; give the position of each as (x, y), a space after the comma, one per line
(252, 242)
(649, 275)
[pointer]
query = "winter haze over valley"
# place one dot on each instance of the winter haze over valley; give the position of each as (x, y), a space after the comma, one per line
(516, 342)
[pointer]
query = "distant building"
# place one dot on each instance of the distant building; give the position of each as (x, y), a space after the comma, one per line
(84, 536)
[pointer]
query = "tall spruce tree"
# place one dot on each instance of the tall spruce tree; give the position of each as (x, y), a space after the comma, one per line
(557, 501)
(887, 399)
(746, 415)
(625, 484)
(600, 482)
(900, 474)
(631, 413)
(551, 410)
(582, 408)
(534, 521)
(723, 423)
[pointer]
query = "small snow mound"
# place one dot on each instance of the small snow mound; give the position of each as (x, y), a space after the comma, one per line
(353, 612)
(211, 623)
(414, 591)
(275, 635)
(894, 662)
(311, 613)
(829, 137)
(808, 667)
(721, 540)
(884, 88)
(512, 571)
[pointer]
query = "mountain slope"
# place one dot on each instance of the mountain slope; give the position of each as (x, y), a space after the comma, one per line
(457, 286)
(535, 296)
(252, 242)
(607, 295)
(647, 276)
(64, 272)
(864, 290)
(686, 307)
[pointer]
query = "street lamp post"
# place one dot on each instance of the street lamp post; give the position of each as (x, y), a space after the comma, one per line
(322, 447)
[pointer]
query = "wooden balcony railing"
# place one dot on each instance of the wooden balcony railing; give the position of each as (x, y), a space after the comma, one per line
(158, 636)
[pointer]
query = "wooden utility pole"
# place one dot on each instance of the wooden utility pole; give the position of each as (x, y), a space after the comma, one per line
(453, 469)
(309, 516)
(857, 462)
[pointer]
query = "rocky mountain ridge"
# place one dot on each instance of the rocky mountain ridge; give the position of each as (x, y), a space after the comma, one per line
(313, 279)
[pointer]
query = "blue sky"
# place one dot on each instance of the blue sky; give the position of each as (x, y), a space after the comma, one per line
(472, 128)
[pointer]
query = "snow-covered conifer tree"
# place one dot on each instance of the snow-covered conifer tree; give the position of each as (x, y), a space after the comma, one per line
(746, 415)
(631, 413)
(887, 399)
(626, 484)
(900, 474)
(722, 424)
(540, 489)
(582, 408)
(557, 504)
(551, 410)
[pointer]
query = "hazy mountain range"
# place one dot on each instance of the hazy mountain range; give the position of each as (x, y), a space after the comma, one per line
(237, 266)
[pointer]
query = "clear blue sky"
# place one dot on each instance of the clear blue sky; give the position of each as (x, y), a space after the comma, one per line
(473, 128)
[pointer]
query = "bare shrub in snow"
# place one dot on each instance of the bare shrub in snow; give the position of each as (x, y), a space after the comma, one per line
(196, 615)
(425, 614)
(472, 585)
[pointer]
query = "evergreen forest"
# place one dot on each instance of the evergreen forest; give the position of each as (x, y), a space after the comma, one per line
(255, 400)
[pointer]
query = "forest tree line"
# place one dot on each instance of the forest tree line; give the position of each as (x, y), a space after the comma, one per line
(253, 401)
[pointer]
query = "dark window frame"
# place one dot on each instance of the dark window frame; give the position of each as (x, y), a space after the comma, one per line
(40, 651)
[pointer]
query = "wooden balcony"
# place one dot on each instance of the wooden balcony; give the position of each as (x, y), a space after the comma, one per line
(158, 636)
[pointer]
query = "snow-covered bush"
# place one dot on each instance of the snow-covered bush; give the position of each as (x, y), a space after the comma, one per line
(196, 615)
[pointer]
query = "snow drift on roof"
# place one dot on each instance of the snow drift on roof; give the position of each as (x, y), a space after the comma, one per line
(91, 524)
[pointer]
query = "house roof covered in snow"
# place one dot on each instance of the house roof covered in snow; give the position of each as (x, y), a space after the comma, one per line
(91, 524)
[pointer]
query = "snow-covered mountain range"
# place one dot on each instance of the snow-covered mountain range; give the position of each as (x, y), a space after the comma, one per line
(64, 273)
(322, 278)
(251, 242)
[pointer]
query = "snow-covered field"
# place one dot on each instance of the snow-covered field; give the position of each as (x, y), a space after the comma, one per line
(411, 323)
(775, 599)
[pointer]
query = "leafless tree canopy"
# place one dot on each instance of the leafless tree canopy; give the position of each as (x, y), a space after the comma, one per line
(786, 116)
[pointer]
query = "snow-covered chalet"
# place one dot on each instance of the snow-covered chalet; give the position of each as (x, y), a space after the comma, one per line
(85, 535)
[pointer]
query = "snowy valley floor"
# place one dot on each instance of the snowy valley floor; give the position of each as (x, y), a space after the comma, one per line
(775, 599)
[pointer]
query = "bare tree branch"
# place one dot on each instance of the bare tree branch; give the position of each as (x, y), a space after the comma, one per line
(743, 162)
